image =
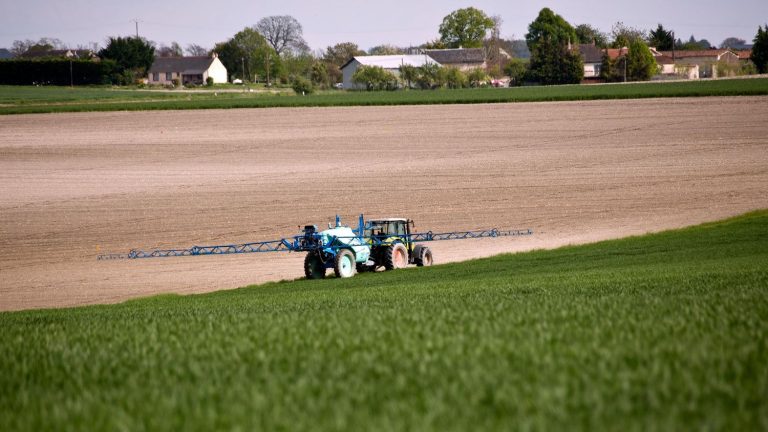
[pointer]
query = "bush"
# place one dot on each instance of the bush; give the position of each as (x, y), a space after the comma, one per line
(375, 78)
(209, 81)
(302, 86)
(176, 82)
(453, 78)
(515, 70)
(477, 77)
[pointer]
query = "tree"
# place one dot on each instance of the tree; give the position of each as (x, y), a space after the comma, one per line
(588, 34)
(385, 50)
(550, 27)
(693, 44)
(661, 38)
(623, 35)
(341, 53)
(319, 74)
(247, 54)
(174, 50)
(132, 56)
(44, 44)
(434, 44)
(427, 75)
(607, 68)
(296, 64)
(641, 65)
(516, 70)
(282, 32)
(408, 74)
(195, 50)
(552, 63)
(733, 43)
(551, 60)
(495, 58)
(465, 28)
(759, 54)
(453, 78)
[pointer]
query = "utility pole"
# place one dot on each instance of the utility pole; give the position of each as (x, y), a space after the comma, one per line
(242, 66)
(136, 21)
(625, 68)
(268, 69)
(71, 80)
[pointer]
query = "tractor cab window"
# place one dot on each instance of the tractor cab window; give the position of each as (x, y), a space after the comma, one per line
(386, 228)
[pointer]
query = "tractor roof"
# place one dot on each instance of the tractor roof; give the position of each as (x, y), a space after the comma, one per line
(388, 220)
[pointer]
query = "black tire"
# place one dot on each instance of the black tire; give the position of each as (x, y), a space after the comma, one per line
(314, 268)
(395, 256)
(344, 264)
(424, 258)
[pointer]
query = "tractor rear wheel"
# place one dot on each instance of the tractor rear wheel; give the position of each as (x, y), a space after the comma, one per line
(344, 265)
(425, 257)
(395, 257)
(314, 267)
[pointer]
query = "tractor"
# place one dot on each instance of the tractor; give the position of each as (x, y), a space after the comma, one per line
(378, 243)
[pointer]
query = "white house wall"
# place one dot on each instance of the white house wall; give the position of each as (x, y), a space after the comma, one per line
(217, 71)
(346, 76)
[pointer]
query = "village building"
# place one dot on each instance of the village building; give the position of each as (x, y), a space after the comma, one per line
(391, 63)
(464, 59)
(593, 60)
(188, 70)
(705, 61)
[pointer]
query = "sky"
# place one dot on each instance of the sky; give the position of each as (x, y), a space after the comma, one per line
(395, 22)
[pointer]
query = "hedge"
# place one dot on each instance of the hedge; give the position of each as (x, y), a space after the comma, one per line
(55, 72)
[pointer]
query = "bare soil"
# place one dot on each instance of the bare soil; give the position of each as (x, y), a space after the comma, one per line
(73, 186)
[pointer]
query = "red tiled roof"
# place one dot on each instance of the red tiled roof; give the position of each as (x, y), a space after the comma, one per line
(614, 53)
(743, 54)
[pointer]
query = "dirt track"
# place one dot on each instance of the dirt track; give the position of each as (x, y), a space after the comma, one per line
(75, 185)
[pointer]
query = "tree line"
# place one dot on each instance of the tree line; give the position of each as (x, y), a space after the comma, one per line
(274, 50)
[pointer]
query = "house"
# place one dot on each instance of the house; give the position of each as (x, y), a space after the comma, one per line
(705, 60)
(188, 70)
(593, 60)
(665, 63)
(389, 63)
(461, 58)
(744, 55)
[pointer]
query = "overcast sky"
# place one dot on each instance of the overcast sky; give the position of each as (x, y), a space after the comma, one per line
(397, 22)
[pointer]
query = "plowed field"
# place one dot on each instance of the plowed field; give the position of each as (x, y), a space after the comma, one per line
(73, 186)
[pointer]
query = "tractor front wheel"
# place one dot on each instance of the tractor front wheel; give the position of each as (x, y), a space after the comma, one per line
(344, 266)
(314, 267)
(395, 257)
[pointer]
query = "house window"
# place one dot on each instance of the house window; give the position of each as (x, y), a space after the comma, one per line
(156, 76)
(168, 76)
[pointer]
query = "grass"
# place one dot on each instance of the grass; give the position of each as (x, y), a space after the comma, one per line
(667, 331)
(24, 100)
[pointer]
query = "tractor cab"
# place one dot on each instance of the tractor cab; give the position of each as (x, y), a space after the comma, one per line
(382, 229)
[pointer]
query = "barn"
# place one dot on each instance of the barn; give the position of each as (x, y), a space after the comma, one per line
(390, 63)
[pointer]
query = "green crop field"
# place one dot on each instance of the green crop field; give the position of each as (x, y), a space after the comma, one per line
(666, 331)
(21, 100)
